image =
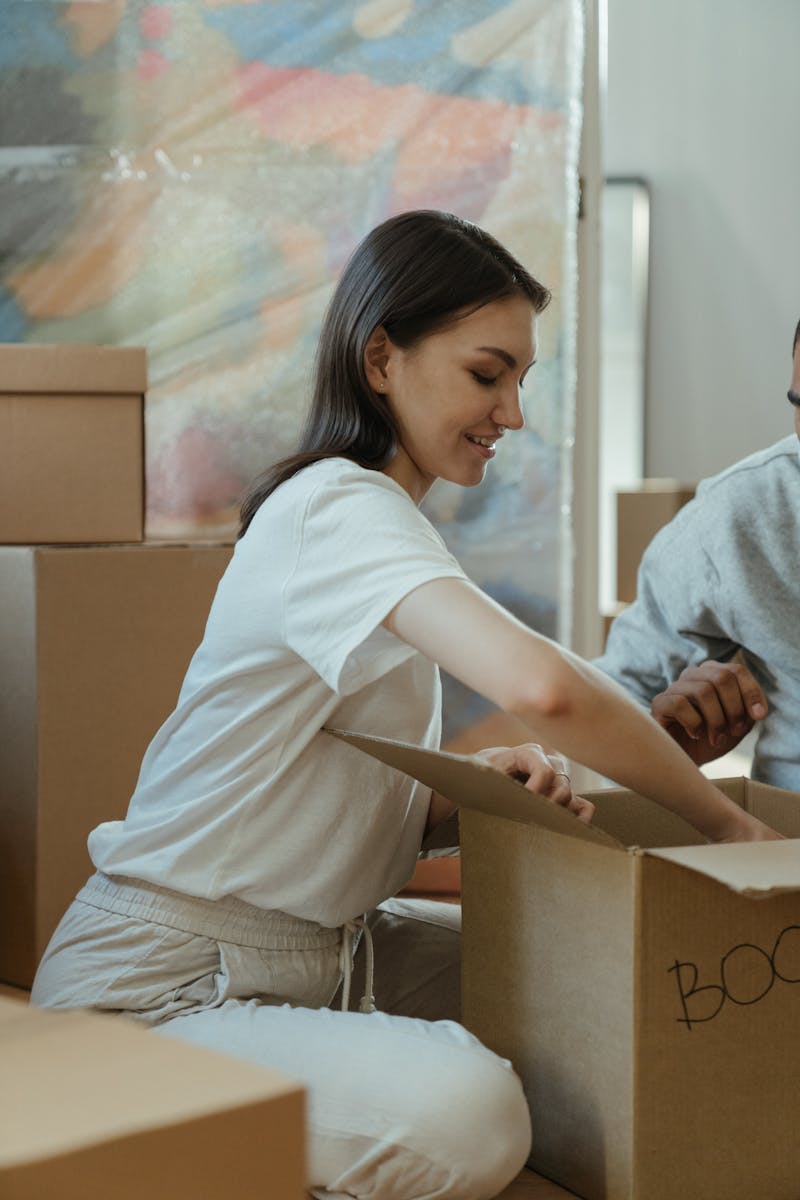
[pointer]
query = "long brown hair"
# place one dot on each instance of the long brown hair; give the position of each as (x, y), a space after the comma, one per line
(412, 274)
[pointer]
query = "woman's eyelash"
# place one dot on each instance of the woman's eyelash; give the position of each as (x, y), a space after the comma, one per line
(485, 380)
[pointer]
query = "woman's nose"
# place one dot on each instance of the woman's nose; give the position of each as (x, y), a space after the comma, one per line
(509, 412)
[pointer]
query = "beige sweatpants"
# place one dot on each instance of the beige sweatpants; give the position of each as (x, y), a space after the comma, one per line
(399, 1107)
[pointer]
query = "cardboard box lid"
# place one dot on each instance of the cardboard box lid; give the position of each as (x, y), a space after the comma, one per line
(753, 869)
(86, 370)
(58, 1067)
(468, 781)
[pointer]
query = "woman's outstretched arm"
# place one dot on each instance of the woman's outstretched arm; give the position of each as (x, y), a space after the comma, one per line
(564, 701)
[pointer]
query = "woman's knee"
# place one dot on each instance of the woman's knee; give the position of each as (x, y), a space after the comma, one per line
(458, 1130)
(495, 1139)
(482, 1123)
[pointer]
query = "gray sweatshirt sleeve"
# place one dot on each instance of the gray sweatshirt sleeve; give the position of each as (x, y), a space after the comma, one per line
(675, 620)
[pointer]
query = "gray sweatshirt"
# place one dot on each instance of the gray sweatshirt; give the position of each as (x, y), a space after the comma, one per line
(723, 576)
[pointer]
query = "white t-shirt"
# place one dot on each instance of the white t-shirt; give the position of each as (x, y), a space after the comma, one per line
(241, 792)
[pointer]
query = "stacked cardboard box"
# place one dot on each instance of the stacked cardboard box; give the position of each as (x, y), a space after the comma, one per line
(94, 643)
(641, 512)
(71, 444)
(96, 631)
(96, 626)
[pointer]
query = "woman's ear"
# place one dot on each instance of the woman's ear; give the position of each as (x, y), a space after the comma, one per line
(376, 358)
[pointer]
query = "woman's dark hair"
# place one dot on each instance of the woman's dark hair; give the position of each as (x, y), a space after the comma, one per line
(413, 275)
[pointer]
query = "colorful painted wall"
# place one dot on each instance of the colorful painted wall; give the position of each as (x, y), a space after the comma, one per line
(191, 176)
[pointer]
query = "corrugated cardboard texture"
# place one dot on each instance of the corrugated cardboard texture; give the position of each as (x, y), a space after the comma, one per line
(88, 681)
(95, 1106)
(600, 976)
(547, 981)
(62, 369)
(71, 444)
(641, 513)
(716, 1068)
(770, 804)
(636, 821)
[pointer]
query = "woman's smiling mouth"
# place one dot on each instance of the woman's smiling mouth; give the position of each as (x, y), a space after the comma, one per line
(484, 445)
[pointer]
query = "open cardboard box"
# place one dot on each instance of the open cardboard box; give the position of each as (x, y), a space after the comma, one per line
(95, 1106)
(645, 985)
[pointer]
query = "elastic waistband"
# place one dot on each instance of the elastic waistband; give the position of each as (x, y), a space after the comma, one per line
(226, 920)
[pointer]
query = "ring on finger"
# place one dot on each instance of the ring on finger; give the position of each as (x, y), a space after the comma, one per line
(563, 775)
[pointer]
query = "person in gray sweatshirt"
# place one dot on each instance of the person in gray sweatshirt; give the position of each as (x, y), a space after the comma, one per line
(711, 644)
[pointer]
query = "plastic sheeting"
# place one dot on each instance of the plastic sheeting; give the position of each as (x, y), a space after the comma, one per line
(191, 176)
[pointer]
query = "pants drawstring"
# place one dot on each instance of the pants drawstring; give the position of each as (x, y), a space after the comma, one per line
(346, 954)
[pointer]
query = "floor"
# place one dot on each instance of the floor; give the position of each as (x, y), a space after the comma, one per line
(12, 993)
(528, 1186)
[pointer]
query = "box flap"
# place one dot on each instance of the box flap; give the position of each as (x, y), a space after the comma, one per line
(635, 820)
(755, 869)
(86, 370)
(471, 783)
(775, 806)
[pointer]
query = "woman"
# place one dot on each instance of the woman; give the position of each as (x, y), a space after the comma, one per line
(225, 905)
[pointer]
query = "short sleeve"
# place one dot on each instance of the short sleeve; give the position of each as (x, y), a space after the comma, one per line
(361, 547)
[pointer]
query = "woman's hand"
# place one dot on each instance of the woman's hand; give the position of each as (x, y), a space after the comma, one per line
(540, 772)
(749, 829)
(710, 708)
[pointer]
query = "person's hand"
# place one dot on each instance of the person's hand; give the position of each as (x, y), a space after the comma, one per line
(710, 708)
(747, 828)
(540, 772)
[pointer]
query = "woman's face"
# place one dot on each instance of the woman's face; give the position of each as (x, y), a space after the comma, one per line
(456, 392)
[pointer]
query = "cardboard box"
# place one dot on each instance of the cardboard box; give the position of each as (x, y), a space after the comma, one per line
(72, 443)
(94, 644)
(645, 985)
(609, 616)
(95, 1106)
(641, 512)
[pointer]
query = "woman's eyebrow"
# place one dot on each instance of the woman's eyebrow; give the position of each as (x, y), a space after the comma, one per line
(507, 358)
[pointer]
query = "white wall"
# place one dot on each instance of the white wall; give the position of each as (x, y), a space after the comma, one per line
(703, 102)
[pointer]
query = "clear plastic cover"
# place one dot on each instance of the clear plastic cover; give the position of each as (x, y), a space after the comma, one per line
(190, 176)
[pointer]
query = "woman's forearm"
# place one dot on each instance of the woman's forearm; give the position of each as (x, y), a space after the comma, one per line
(564, 701)
(593, 721)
